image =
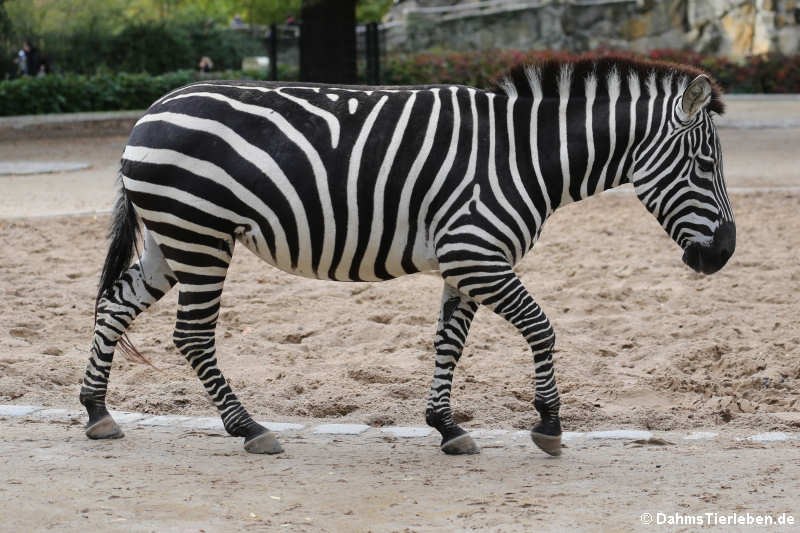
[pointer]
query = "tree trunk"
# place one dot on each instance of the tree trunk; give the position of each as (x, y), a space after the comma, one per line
(328, 41)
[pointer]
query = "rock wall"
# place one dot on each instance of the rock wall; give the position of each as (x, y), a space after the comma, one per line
(724, 27)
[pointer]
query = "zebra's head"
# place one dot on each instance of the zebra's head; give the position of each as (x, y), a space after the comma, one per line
(678, 176)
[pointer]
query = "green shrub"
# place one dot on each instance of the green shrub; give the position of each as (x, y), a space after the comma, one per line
(151, 47)
(74, 92)
(104, 92)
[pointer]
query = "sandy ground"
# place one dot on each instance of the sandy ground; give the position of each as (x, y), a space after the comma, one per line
(642, 343)
(642, 340)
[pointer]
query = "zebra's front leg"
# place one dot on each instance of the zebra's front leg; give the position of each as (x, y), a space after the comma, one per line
(455, 317)
(135, 290)
(200, 291)
(503, 293)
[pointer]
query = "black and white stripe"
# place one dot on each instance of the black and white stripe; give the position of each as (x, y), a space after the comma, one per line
(371, 183)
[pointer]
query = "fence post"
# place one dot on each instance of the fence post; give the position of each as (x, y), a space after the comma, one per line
(273, 52)
(373, 53)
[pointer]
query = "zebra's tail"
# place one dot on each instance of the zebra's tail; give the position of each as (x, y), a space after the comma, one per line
(123, 237)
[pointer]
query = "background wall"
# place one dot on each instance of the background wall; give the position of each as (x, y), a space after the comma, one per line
(733, 28)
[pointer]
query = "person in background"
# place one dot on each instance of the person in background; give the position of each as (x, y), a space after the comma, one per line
(205, 64)
(30, 67)
(21, 63)
(44, 68)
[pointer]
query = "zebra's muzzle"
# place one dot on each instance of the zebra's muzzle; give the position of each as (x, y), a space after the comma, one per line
(709, 259)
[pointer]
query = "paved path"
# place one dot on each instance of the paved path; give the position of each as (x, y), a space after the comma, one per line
(91, 124)
(22, 168)
(174, 478)
(759, 111)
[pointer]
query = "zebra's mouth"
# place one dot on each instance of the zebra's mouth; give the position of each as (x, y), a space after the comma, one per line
(709, 259)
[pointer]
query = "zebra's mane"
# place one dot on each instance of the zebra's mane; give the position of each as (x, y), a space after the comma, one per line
(550, 73)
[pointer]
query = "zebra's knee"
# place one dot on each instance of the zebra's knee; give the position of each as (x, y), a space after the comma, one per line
(128, 296)
(108, 305)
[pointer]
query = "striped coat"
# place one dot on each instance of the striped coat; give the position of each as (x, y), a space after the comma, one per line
(371, 183)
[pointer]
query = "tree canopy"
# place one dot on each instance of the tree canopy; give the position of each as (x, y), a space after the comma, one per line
(31, 18)
(89, 36)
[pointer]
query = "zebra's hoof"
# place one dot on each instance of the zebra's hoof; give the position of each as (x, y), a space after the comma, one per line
(550, 444)
(263, 443)
(105, 428)
(461, 445)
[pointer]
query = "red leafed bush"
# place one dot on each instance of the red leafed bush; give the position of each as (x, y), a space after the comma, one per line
(755, 74)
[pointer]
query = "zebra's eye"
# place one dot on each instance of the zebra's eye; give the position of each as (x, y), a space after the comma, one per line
(705, 166)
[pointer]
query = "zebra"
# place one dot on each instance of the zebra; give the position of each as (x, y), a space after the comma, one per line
(370, 183)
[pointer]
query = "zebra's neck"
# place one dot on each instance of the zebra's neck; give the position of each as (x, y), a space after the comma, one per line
(584, 137)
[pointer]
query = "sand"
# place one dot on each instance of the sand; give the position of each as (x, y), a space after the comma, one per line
(642, 341)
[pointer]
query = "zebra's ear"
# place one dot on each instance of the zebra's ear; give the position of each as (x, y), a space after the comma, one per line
(696, 96)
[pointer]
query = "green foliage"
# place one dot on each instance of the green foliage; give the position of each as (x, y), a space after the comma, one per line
(156, 36)
(6, 31)
(266, 11)
(5, 21)
(372, 10)
(150, 47)
(252, 11)
(35, 18)
(110, 92)
(180, 10)
(83, 51)
(224, 46)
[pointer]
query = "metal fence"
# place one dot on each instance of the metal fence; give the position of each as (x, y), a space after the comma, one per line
(282, 44)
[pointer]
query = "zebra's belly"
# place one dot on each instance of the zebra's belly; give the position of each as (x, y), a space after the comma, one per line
(341, 272)
(180, 214)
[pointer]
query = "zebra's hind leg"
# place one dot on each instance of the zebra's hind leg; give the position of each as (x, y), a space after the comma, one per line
(455, 317)
(201, 273)
(501, 291)
(135, 290)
